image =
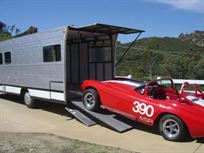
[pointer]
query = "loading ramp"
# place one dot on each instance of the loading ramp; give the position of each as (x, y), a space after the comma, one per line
(90, 118)
(81, 117)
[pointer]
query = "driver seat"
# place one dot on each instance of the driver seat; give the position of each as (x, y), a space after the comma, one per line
(159, 93)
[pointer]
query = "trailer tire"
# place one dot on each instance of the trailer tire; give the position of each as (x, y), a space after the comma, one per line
(91, 99)
(28, 100)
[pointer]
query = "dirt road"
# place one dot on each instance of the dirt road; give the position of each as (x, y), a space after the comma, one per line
(52, 118)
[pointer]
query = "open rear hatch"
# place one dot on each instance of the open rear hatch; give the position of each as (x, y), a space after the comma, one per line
(111, 30)
(106, 29)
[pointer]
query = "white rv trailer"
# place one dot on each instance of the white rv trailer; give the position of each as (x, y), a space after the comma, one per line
(51, 64)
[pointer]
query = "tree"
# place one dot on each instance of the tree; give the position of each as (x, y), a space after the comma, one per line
(2, 25)
(150, 61)
(182, 65)
(4, 34)
(198, 70)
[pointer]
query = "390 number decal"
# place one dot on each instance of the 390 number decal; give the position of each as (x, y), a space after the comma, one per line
(143, 109)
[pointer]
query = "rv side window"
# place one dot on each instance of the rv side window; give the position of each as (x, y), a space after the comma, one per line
(52, 53)
(7, 56)
(1, 59)
(100, 54)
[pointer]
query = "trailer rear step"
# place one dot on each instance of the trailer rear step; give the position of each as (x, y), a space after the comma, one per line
(107, 119)
(81, 117)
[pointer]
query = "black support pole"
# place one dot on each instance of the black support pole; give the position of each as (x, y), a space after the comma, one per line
(121, 58)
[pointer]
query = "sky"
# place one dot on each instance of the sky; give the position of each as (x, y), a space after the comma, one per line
(157, 17)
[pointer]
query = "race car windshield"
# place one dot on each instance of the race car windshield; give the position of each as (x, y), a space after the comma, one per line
(196, 100)
(165, 83)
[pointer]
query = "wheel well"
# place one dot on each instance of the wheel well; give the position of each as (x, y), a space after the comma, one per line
(156, 122)
(165, 113)
(90, 87)
(23, 91)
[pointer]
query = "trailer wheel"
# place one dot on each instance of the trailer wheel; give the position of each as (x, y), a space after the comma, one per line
(91, 99)
(28, 100)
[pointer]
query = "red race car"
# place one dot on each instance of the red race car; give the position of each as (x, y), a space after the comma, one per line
(156, 102)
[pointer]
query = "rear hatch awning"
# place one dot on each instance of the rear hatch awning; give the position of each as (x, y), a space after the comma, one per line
(105, 28)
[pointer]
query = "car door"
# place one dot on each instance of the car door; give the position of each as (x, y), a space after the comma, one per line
(118, 98)
(145, 109)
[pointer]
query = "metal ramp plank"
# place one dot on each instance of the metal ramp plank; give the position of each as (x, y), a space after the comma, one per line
(107, 119)
(81, 117)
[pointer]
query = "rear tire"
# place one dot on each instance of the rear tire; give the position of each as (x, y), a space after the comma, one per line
(172, 128)
(91, 100)
(28, 100)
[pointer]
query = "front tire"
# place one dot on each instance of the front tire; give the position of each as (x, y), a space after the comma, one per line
(172, 128)
(91, 99)
(28, 100)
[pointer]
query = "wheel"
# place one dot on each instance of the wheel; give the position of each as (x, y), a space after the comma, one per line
(172, 128)
(91, 100)
(28, 100)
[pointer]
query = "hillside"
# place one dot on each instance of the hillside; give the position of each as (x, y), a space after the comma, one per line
(196, 37)
(8, 32)
(4, 36)
(167, 44)
(180, 58)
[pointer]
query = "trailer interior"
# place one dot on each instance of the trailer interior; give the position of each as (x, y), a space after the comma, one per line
(90, 53)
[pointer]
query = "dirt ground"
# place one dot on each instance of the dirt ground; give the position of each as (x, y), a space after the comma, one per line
(48, 143)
